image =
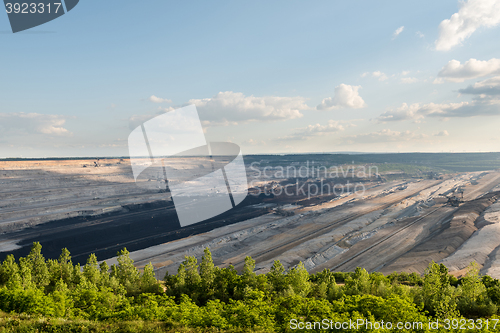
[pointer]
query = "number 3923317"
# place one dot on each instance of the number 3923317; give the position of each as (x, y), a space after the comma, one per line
(33, 8)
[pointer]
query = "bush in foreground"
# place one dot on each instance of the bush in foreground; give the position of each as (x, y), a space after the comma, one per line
(57, 296)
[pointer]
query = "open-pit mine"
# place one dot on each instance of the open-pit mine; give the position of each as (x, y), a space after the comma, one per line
(324, 212)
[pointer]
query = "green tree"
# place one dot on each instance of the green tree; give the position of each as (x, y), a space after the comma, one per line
(192, 277)
(438, 295)
(66, 268)
(104, 274)
(180, 282)
(226, 284)
(298, 280)
(62, 300)
(277, 277)
(249, 278)
(207, 271)
(126, 269)
(473, 299)
(358, 283)
(91, 270)
(109, 280)
(9, 271)
(26, 280)
(380, 284)
(149, 284)
(324, 285)
(76, 276)
(176, 284)
(126, 272)
(38, 266)
(471, 284)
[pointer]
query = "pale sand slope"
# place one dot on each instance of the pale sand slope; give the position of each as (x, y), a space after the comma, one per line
(35, 192)
(321, 249)
(481, 246)
(222, 241)
(232, 243)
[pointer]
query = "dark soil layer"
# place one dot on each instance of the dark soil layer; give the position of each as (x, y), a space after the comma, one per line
(140, 227)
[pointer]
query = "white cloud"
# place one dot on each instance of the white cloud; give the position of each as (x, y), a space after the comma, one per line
(397, 32)
(166, 109)
(454, 71)
(155, 99)
(487, 88)
(346, 96)
(404, 73)
(332, 126)
(416, 112)
(232, 107)
(310, 131)
(378, 74)
(28, 123)
(381, 76)
(137, 120)
(253, 142)
(419, 34)
(385, 135)
(404, 112)
(472, 15)
(409, 80)
(442, 133)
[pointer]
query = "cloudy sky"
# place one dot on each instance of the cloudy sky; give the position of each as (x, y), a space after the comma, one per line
(273, 77)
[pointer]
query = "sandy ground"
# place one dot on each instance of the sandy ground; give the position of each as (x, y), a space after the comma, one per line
(35, 192)
(324, 236)
(231, 244)
(480, 245)
(399, 225)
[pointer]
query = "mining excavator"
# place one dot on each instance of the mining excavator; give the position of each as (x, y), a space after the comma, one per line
(454, 200)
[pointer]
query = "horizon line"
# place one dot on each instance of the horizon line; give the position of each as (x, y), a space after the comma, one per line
(259, 154)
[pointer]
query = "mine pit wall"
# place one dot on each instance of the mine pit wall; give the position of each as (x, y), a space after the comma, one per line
(23, 220)
(448, 236)
(31, 221)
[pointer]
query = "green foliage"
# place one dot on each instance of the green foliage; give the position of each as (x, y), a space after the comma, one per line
(409, 279)
(91, 270)
(148, 282)
(277, 277)
(9, 272)
(126, 273)
(298, 280)
(358, 283)
(35, 262)
(205, 298)
(207, 270)
(249, 278)
(192, 276)
(26, 323)
(473, 298)
(437, 294)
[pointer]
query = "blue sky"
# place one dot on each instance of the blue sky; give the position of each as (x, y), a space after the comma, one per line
(280, 77)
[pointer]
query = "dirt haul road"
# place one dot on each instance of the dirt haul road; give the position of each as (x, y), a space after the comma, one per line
(412, 244)
(268, 238)
(372, 231)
